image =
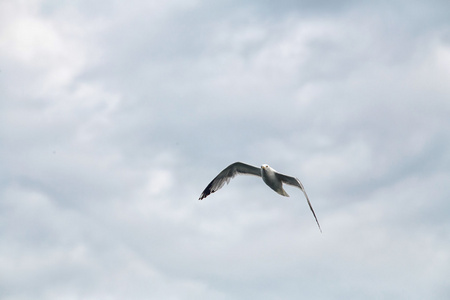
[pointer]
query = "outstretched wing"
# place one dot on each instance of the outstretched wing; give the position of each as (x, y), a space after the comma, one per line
(228, 173)
(295, 182)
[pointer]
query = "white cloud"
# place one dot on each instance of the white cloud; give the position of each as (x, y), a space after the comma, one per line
(115, 116)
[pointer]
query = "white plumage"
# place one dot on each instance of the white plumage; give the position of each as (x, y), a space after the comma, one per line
(271, 177)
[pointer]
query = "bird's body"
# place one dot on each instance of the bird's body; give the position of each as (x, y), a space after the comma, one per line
(271, 177)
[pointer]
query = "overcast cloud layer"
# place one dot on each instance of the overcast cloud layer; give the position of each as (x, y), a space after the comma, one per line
(114, 116)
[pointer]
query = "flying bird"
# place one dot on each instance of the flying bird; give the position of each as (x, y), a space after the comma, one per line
(271, 177)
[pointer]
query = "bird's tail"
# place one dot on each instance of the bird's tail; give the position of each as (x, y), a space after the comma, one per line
(282, 192)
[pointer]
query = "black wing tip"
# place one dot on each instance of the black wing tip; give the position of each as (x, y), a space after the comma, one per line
(317, 221)
(205, 193)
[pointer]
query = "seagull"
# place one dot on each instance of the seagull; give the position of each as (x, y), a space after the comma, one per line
(271, 177)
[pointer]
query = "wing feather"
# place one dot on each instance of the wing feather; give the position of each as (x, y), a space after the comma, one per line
(226, 175)
(295, 182)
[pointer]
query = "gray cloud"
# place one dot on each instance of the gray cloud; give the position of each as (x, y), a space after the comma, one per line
(114, 117)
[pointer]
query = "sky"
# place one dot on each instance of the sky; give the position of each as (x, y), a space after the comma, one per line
(115, 115)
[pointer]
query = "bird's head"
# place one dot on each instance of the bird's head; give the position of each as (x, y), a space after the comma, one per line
(265, 166)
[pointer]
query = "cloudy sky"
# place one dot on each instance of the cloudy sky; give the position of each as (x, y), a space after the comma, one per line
(115, 115)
